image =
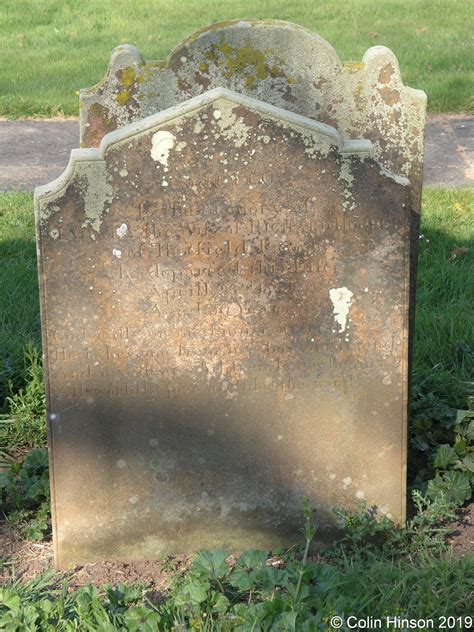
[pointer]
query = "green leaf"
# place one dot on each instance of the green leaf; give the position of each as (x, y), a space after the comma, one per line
(455, 486)
(285, 622)
(248, 569)
(36, 460)
(210, 564)
(141, 619)
(5, 480)
(194, 592)
(460, 415)
(221, 603)
(10, 600)
(445, 456)
(252, 559)
(469, 432)
(272, 578)
(468, 462)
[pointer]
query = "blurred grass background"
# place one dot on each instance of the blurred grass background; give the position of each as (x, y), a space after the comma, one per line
(52, 48)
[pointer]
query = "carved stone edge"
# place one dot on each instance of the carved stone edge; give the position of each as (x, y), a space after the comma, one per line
(346, 146)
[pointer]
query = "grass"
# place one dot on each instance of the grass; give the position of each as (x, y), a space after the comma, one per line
(54, 48)
(253, 596)
(19, 304)
(443, 358)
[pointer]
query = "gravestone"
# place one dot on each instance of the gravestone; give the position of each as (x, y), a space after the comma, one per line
(225, 310)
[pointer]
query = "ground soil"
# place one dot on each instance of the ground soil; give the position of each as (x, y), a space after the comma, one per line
(462, 539)
(26, 560)
(23, 560)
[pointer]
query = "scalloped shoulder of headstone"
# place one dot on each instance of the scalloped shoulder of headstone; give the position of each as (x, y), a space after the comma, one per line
(276, 62)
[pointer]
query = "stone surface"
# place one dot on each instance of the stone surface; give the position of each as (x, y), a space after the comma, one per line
(30, 159)
(287, 66)
(224, 290)
(277, 62)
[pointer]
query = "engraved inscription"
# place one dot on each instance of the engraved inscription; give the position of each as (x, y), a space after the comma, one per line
(191, 320)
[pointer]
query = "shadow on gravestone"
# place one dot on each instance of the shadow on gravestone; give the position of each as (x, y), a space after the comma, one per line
(224, 289)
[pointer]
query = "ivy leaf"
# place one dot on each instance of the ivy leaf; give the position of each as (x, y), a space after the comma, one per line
(445, 455)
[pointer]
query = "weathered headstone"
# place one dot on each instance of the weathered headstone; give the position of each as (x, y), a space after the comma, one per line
(225, 300)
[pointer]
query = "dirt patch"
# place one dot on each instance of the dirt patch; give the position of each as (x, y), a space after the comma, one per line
(26, 560)
(20, 558)
(462, 540)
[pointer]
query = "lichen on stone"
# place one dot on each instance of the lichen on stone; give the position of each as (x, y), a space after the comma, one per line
(96, 190)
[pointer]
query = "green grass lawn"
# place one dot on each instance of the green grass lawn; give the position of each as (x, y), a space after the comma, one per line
(51, 48)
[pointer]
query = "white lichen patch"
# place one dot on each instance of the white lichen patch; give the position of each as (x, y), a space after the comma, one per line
(317, 145)
(123, 173)
(341, 299)
(229, 126)
(97, 192)
(121, 231)
(117, 253)
(162, 143)
(198, 127)
(47, 209)
(54, 233)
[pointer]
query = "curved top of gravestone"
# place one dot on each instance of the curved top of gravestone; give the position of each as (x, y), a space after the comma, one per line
(86, 167)
(276, 62)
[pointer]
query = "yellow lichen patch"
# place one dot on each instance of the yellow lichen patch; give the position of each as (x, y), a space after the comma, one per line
(247, 61)
(127, 77)
(123, 97)
(291, 80)
(128, 80)
(203, 67)
(354, 66)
